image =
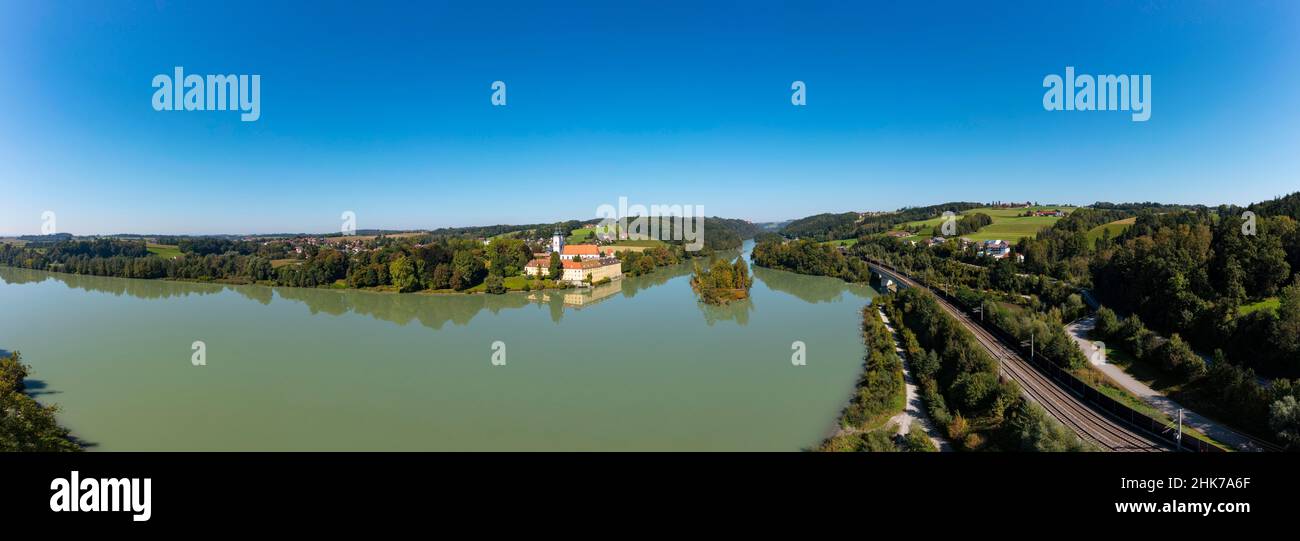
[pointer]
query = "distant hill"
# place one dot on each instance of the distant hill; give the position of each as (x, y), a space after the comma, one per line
(1287, 205)
(850, 225)
(46, 238)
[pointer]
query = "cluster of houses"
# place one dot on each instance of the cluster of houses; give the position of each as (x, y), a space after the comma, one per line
(996, 249)
(580, 263)
(343, 244)
(1054, 212)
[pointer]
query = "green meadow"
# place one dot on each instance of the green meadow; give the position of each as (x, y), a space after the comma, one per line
(1007, 223)
(1116, 227)
(165, 251)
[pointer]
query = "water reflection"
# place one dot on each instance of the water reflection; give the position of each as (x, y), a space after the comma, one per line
(436, 310)
(144, 289)
(737, 311)
(813, 289)
(430, 310)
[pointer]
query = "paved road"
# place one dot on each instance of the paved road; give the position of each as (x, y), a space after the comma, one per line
(1079, 331)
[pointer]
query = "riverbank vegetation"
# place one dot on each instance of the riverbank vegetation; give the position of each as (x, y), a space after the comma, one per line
(25, 424)
(438, 261)
(878, 395)
(879, 391)
(808, 257)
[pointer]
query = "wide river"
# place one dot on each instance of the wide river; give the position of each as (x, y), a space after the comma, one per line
(634, 365)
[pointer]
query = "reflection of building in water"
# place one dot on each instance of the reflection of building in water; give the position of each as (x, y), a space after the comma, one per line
(591, 296)
(577, 298)
(580, 263)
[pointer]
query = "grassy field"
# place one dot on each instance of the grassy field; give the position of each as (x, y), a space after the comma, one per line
(1271, 303)
(351, 238)
(165, 251)
(1007, 224)
(1116, 227)
(581, 235)
(277, 263)
(641, 243)
(844, 242)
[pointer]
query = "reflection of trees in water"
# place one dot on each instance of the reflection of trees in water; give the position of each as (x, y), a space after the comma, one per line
(431, 310)
(737, 311)
(812, 289)
(262, 295)
(633, 284)
(144, 289)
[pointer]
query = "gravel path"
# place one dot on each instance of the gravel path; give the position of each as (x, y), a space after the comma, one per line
(915, 411)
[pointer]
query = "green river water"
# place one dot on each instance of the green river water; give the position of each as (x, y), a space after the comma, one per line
(638, 364)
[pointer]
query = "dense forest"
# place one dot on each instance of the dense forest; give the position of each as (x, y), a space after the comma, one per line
(851, 225)
(1191, 271)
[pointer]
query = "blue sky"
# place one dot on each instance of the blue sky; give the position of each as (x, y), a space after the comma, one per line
(385, 109)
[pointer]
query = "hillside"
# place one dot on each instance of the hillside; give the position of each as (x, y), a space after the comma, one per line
(1008, 224)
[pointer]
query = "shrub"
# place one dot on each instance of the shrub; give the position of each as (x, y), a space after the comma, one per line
(917, 442)
(1107, 324)
(495, 284)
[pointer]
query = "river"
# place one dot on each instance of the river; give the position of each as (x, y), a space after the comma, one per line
(638, 364)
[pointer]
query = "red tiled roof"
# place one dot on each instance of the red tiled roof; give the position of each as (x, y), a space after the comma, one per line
(581, 249)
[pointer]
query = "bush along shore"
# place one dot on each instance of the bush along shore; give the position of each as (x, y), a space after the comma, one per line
(25, 424)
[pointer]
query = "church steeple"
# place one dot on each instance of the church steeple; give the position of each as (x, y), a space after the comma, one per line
(557, 242)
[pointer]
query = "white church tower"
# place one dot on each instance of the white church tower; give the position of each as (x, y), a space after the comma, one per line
(557, 242)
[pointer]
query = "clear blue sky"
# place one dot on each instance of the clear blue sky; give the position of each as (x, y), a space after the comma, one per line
(384, 109)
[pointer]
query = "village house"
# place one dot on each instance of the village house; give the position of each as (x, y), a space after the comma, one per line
(996, 249)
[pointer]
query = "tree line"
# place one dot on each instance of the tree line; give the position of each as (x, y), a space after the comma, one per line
(807, 257)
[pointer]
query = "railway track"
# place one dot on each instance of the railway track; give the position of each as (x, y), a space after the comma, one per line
(1094, 426)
